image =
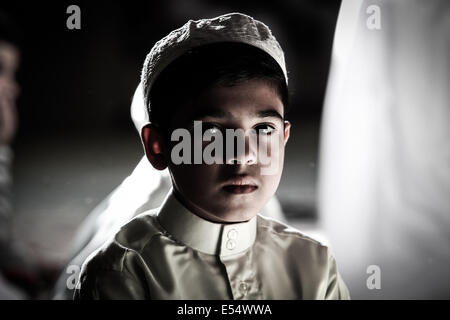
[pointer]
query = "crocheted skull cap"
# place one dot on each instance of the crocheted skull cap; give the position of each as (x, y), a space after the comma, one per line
(231, 27)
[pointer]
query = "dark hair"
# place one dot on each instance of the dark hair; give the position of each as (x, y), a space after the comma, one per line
(225, 63)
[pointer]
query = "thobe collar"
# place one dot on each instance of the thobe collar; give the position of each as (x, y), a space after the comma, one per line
(203, 235)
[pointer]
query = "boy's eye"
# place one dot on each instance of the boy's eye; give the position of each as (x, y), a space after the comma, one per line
(264, 129)
(211, 128)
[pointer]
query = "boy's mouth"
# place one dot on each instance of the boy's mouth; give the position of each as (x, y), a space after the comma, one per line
(240, 185)
(240, 189)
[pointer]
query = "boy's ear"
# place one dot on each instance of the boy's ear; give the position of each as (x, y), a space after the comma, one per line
(152, 139)
(287, 131)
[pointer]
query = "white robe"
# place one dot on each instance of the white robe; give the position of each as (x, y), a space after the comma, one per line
(385, 152)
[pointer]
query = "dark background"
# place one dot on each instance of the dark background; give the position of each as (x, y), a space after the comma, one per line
(76, 141)
(72, 79)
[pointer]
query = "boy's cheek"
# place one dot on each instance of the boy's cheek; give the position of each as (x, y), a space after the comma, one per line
(271, 153)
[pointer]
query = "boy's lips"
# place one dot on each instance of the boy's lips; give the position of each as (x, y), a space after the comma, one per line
(240, 185)
(240, 189)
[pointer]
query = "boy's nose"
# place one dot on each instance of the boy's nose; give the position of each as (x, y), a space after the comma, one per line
(245, 157)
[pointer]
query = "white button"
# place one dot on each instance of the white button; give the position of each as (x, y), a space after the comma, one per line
(243, 288)
(232, 234)
(231, 244)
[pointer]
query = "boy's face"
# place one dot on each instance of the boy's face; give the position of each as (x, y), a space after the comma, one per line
(238, 188)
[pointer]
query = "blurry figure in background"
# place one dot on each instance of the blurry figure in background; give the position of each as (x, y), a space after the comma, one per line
(144, 189)
(385, 153)
(20, 274)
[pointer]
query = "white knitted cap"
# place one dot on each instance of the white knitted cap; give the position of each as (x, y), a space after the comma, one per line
(231, 27)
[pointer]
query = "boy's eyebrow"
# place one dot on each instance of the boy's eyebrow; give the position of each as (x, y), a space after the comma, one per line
(218, 113)
(269, 113)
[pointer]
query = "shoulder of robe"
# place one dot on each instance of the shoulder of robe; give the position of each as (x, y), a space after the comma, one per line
(126, 243)
(291, 240)
(139, 231)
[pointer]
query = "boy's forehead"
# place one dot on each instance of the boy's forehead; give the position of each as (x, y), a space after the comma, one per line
(251, 99)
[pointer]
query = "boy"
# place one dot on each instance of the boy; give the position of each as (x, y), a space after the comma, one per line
(219, 81)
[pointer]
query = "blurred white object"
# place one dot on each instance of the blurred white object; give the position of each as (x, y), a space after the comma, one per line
(384, 180)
